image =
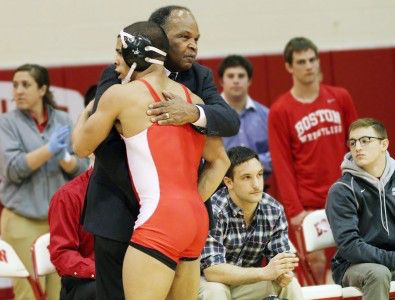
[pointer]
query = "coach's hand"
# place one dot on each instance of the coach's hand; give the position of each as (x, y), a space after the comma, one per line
(173, 111)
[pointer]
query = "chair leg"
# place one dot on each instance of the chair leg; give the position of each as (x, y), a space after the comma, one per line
(36, 287)
(303, 261)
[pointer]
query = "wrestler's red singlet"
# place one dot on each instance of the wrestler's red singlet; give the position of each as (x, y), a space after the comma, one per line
(163, 163)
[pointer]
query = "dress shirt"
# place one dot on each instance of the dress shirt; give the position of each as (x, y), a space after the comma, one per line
(253, 132)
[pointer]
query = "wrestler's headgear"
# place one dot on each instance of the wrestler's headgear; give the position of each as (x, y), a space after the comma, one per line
(135, 49)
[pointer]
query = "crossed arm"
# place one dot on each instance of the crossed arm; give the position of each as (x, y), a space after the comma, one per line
(221, 119)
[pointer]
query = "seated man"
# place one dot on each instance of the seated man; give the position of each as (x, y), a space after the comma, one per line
(250, 226)
(361, 212)
(71, 247)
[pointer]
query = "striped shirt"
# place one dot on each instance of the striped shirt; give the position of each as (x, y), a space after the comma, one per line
(232, 242)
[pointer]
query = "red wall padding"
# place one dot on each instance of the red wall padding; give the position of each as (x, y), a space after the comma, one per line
(368, 74)
(370, 78)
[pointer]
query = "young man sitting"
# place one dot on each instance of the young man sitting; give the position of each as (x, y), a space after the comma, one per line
(250, 226)
(361, 212)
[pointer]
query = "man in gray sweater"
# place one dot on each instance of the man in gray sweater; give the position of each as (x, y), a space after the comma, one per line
(361, 212)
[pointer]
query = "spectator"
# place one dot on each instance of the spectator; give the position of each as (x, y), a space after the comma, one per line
(71, 247)
(235, 72)
(307, 134)
(361, 212)
(34, 139)
(250, 226)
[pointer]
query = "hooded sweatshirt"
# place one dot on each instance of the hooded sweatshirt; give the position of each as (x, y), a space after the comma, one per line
(361, 213)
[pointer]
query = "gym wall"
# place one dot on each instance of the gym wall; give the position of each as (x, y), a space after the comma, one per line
(75, 40)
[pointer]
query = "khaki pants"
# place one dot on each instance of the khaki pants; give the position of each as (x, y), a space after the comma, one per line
(373, 280)
(20, 233)
(258, 291)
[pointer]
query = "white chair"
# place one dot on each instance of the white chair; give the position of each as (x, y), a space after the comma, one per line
(6, 288)
(42, 264)
(352, 293)
(41, 259)
(10, 263)
(324, 291)
(12, 266)
(316, 234)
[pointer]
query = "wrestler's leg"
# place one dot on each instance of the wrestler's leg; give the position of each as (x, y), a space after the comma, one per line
(186, 281)
(145, 277)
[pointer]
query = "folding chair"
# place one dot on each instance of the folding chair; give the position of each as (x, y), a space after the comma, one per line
(42, 264)
(352, 293)
(322, 292)
(12, 266)
(6, 288)
(316, 234)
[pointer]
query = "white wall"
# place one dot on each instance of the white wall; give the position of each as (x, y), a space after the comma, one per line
(60, 32)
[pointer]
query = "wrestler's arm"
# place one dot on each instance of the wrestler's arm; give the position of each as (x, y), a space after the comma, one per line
(91, 130)
(215, 167)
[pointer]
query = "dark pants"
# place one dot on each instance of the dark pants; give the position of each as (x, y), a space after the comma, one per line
(77, 289)
(109, 256)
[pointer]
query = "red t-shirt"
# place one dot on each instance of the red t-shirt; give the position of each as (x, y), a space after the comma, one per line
(71, 247)
(307, 144)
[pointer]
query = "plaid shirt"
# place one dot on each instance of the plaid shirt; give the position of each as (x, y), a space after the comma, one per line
(232, 242)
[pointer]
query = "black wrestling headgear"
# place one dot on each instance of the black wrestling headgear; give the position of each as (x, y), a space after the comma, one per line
(135, 50)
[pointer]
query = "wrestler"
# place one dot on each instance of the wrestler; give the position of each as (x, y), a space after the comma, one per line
(172, 225)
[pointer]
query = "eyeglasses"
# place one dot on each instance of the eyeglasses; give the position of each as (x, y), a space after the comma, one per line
(363, 141)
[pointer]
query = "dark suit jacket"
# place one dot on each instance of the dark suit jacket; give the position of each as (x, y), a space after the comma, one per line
(111, 207)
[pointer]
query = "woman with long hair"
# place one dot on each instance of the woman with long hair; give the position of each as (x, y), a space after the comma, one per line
(35, 161)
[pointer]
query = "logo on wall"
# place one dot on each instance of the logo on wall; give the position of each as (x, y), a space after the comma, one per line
(68, 100)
